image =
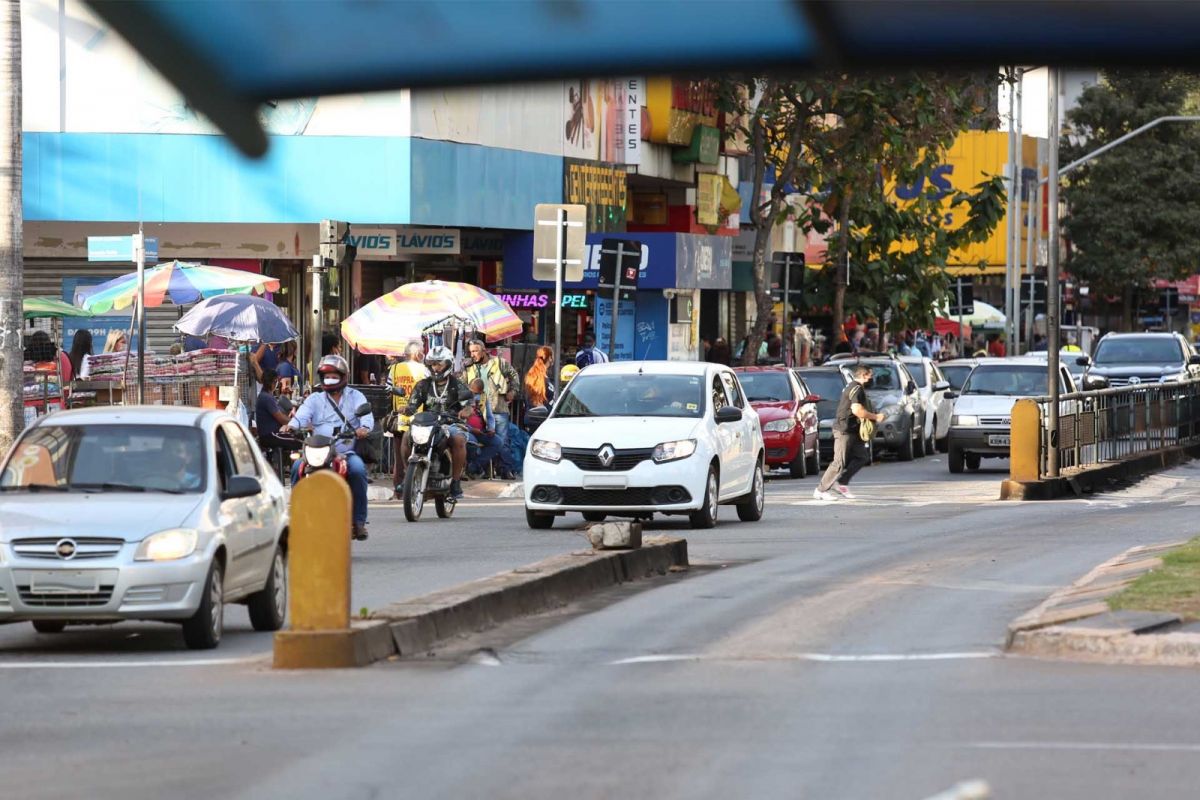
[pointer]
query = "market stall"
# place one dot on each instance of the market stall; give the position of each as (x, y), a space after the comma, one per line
(45, 388)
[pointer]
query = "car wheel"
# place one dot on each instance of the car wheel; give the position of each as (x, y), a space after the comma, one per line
(943, 444)
(595, 516)
(750, 507)
(956, 460)
(905, 451)
(538, 520)
(973, 460)
(706, 516)
(814, 465)
(798, 468)
(268, 607)
(49, 626)
(919, 444)
(202, 631)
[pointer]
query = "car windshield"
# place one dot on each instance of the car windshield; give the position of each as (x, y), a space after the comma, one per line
(885, 378)
(636, 395)
(1021, 380)
(1139, 350)
(766, 386)
(107, 458)
(957, 374)
(829, 386)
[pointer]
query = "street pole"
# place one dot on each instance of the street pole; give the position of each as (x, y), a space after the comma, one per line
(1014, 334)
(318, 264)
(1053, 313)
(560, 255)
(787, 306)
(139, 253)
(1031, 227)
(962, 339)
(1013, 201)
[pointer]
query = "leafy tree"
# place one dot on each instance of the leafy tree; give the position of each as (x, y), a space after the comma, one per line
(1134, 212)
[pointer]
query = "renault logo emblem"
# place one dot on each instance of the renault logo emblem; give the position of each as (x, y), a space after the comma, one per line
(606, 456)
(65, 549)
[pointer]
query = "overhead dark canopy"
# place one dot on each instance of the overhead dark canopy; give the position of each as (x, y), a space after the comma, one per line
(228, 56)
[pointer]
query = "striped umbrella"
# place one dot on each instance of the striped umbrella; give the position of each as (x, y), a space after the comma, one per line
(387, 325)
(179, 281)
(42, 307)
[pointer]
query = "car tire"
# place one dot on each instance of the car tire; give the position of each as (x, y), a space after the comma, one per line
(705, 517)
(595, 516)
(798, 468)
(49, 626)
(973, 461)
(919, 445)
(268, 606)
(943, 444)
(956, 460)
(750, 507)
(905, 451)
(202, 631)
(538, 520)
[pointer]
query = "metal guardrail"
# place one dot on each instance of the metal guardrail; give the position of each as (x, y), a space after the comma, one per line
(1108, 425)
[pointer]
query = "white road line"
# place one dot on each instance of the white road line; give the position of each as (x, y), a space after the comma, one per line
(183, 662)
(652, 659)
(826, 658)
(1134, 747)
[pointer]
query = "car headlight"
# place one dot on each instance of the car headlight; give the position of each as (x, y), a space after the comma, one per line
(167, 545)
(964, 420)
(546, 451)
(420, 433)
(316, 455)
(891, 411)
(780, 425)
(673, 451)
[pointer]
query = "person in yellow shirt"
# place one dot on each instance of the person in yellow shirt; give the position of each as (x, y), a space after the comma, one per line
(404, 374)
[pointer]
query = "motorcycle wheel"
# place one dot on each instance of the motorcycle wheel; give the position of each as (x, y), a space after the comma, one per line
(414, 492)
(444, 507)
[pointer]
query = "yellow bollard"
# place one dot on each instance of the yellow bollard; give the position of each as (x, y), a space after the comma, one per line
(1024, 442)
(319, 579)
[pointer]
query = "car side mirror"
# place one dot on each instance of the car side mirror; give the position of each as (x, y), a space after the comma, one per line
(912, 387)
(941, 386)
(362, 410)
(241, 486)
(1194, 358)
(812, 398)
(728, 414)
(1093, 382)
(535, 416)
(1084, 361)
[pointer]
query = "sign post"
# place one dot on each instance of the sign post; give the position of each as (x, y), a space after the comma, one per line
(559, 234)
(140, 250)
(783, 263)
(613, 267)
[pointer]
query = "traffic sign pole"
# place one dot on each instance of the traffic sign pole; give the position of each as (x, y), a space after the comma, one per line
(566, 252)
(560, 255)
(139, 253)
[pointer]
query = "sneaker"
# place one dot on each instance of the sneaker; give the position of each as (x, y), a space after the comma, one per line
(398, 493)
(844, 491)
(456, 491)
(819, 495)
(359, 532)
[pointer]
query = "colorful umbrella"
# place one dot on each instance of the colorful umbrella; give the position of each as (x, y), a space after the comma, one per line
(387, 325)
(239, 318)
(41, 307)
(181, 282)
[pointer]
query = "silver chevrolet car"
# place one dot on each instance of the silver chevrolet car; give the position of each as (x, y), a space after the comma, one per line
(141, 512)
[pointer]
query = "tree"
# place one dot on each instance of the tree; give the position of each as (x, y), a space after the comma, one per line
(1134, 212)
(12, 419)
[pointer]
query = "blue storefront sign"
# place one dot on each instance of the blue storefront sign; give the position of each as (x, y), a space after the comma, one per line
(119, 248)
(100, 325)
(626, 328)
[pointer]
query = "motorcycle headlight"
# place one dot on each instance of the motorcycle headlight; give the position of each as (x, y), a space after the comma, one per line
(964, 420)
(420, 433)
(167, 545)
(673, 451)
(780, 425)
(546, 451)
(316, 455)
(891, 411)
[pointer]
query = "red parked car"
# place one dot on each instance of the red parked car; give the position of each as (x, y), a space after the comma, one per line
(788, 413)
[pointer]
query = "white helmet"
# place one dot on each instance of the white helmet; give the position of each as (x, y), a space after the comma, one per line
(439, 361)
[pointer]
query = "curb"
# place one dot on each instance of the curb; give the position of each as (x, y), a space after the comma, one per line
(1091, 479)
(1076, 623)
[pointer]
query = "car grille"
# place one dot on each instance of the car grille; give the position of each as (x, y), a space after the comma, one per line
(145, 594)
(64, 599)
(623, 460)
(86, 547)
(995, 420)
(634, 496)
(1129, 381)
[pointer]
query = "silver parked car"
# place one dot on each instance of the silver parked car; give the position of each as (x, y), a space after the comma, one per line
(142, 512)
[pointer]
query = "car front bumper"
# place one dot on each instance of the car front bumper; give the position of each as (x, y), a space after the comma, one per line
(891, 433)
(647, 487)
(783, 448)
(978, 440)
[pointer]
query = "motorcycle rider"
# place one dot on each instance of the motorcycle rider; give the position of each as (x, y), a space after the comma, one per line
(442, 393)
(320, 413)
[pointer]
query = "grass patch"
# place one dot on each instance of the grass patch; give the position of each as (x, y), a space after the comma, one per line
(1174, 588)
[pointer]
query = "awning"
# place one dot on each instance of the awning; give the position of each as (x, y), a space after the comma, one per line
(948, 327)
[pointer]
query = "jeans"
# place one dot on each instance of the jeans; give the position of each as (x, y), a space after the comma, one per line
(506, 459)
(850, 454)
(486, 450)
(356, 476)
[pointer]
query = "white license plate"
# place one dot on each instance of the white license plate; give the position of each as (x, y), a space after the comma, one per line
(604, 482)
(65, 582)
(998, 441)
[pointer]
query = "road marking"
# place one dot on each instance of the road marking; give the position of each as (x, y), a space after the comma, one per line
(1134, 747)
(183, 662)
(826, 658)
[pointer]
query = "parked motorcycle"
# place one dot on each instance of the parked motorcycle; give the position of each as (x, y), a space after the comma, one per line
(429, 472)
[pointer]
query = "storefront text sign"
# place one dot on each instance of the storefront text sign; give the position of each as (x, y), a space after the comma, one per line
(537, 300)
(677, 106)
(385, 243)
(600, 187)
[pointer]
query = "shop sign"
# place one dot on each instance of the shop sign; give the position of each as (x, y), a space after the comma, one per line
(677, 106)
(708, 199)
(704, 262)
(483, 243)
(602, 188)
(626, 328)
(518, 300)
(631, 122)
(385, 243)
(705, 147)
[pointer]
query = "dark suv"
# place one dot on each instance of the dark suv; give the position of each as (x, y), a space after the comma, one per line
(1124, 359)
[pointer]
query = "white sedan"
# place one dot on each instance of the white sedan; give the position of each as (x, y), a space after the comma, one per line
(637, 438)
(142, 512)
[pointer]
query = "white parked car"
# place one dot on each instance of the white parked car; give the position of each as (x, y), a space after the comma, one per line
(932, 387)
(634, 439)
(141, 512)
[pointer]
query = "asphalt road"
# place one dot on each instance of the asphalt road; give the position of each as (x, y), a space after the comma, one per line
(846, 649)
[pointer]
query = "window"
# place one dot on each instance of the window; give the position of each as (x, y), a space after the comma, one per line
(918, 374)
(766, 386)
(244, 461)
(733, 390)
(1140, 350)
(632, 395)
(718, 395)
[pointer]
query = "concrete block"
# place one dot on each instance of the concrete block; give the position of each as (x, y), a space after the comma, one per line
(616, 535)
(338, 649)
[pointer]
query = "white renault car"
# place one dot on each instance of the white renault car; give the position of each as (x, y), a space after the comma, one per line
(142, 512)
(634, 439)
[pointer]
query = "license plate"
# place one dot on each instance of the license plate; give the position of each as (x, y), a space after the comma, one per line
(65, 582)
(998, 441)
(604, 482)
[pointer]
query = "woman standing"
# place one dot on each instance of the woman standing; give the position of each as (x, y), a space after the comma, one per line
(81, 347)
(539, 390)
(286, 370)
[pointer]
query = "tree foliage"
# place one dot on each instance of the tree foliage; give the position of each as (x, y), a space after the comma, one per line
(1133, 212)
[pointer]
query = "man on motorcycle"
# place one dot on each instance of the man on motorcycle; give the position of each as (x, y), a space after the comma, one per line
(320, 413)
(442, 393)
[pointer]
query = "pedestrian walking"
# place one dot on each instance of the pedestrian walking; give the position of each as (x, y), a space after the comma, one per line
(851, 452)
